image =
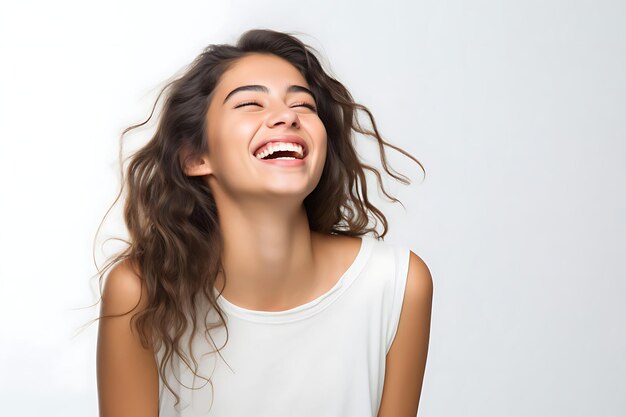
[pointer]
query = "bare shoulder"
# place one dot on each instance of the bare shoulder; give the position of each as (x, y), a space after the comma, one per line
(127, 374)
(124, 290)
(419, 285)
(406, 360)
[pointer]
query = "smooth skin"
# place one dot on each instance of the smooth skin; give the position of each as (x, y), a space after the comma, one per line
(270, 253)
(406, 359)
(127, 377)
(273, 260)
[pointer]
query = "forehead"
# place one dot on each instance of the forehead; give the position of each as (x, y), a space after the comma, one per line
(256, 68)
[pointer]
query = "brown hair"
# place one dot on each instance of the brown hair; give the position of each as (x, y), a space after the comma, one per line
(172, 218)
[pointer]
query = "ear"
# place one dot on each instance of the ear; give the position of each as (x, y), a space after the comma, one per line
(194, 164)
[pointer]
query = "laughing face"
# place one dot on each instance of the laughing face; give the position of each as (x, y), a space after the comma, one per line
(265, 138)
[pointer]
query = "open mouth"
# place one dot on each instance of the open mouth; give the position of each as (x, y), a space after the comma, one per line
(283, 155)
(281, 150)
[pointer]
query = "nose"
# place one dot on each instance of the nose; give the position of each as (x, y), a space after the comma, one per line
(283, 115)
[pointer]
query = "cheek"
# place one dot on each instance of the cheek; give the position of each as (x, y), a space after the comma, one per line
(234, 134)
(317, 129)
(321, 132)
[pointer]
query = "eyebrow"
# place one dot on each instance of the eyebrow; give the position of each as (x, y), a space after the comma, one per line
(264, 89)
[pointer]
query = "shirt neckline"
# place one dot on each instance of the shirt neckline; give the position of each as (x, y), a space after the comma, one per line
(312, 307)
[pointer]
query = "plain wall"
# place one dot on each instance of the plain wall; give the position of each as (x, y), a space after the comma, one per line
(516, 109)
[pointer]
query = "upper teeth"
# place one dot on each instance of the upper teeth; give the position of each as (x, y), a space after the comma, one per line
(272, 147)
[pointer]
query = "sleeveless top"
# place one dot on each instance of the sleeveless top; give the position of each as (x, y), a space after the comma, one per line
(323, 358)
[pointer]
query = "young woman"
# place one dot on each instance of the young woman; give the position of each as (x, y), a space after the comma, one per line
(250, 286)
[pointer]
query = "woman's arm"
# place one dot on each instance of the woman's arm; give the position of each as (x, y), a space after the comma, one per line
(406, 359)
(127, 377)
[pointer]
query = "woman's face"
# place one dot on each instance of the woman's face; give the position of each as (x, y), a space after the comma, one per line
(263, 97)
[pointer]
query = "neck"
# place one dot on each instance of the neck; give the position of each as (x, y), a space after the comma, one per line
(269, 257)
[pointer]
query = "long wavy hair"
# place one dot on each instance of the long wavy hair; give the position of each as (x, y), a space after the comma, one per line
(172, 218)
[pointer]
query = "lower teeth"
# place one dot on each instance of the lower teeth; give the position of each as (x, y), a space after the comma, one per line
(285, 157)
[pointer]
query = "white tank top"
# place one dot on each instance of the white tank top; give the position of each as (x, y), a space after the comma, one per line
(323, 358)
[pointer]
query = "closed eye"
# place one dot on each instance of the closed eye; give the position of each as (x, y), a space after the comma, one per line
(248, 103)
(310, 106)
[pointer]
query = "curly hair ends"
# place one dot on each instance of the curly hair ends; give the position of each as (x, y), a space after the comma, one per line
(172, 218)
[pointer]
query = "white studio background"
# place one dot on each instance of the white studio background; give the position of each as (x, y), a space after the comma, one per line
(516, 109)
